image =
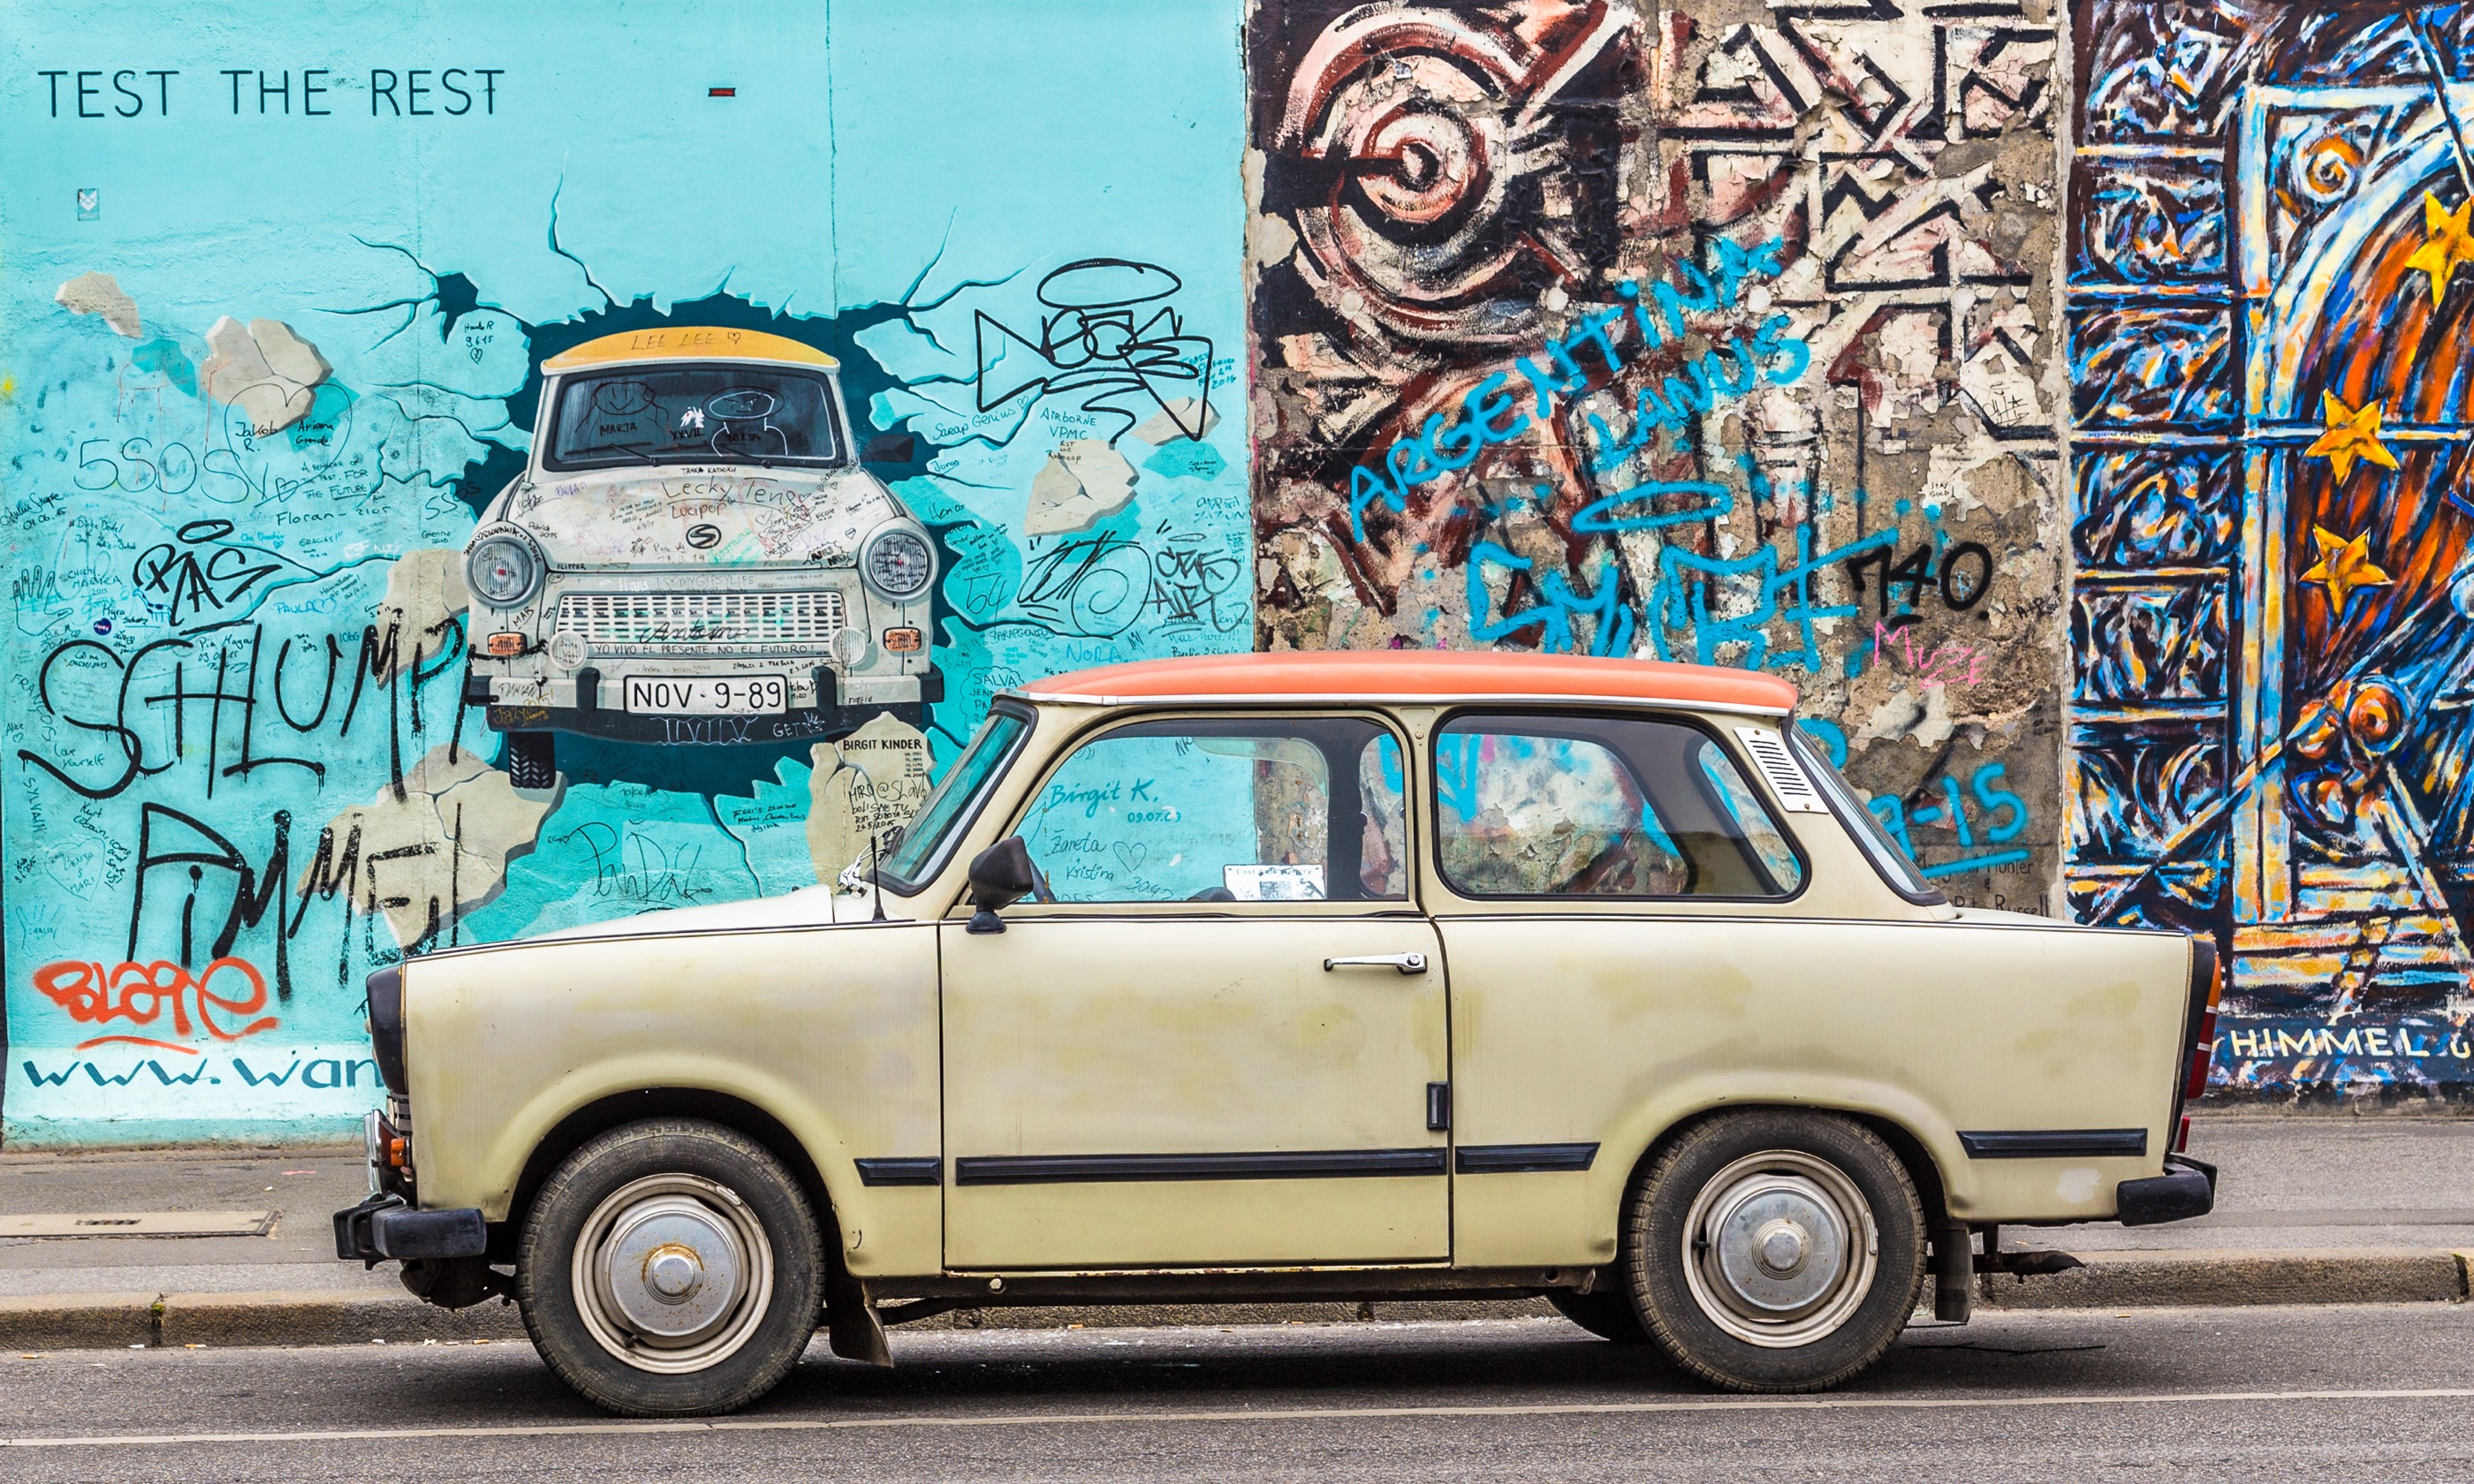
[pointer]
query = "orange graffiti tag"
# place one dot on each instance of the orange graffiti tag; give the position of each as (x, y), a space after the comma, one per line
(140, 993)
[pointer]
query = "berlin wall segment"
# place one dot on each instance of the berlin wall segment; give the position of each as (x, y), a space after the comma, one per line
(276, 338)
(2269, 513)
(1709, 337)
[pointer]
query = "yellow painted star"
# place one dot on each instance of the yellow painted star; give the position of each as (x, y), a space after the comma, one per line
(2344, 565)
(2451, 243)
(2353, 433)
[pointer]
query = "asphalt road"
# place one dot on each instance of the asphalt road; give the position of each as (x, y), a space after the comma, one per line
(2359, 1393)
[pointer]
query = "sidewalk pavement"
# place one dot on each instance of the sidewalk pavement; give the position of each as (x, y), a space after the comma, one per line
(2311, 1208)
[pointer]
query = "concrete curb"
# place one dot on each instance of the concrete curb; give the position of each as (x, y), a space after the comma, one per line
(113, 1321)
(2213, 1277)
(2111, 1280)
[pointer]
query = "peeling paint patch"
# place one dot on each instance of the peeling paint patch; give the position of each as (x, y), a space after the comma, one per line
(101, 293)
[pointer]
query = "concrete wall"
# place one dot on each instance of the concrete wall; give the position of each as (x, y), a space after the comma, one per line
(272, 339)
(2000, 377)
(2265, 338)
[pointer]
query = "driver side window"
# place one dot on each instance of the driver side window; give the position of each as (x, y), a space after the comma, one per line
(1206, 810)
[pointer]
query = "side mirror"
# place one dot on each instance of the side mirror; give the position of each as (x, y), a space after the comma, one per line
(1000, 877)
(889, 449)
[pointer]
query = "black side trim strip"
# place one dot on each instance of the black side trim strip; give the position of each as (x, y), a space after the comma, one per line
(1058, 1169)
(1523, 1158)
(928, 1171)
(2054, 1143)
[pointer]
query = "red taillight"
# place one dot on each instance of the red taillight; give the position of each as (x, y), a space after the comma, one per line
(2204, 1049)
(2182, 1136)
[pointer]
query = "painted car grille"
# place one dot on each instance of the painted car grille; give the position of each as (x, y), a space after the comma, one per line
(690, 623)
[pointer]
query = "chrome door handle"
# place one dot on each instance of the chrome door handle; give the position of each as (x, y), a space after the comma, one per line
(1405, 963)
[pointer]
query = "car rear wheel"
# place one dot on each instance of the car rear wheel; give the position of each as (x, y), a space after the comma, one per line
(532, 759)
(1775, 1251)
(670, 1268)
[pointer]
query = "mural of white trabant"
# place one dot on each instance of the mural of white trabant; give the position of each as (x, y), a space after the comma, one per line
(693, 555)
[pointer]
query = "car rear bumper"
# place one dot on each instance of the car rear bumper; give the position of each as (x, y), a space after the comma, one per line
(2187, 1188)
(383, 1228)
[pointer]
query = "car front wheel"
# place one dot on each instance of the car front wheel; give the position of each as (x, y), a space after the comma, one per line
(1776, 1252)
(670, 1268)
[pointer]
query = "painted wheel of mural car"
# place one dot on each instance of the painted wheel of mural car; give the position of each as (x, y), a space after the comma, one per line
(1606, 1313)
(532, 759)
(670, 1268)
(1776, 1250)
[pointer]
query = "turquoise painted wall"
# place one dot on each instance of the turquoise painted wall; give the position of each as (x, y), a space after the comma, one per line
(229, 659)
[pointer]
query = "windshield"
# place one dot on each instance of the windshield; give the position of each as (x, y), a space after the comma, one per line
(951, 806)
(1849, 806)
(693, 415)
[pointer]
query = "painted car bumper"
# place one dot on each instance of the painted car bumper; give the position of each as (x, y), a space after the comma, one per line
(798, 724)
(905, 696)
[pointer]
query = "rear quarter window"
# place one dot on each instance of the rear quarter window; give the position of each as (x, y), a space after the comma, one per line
(1542, 805)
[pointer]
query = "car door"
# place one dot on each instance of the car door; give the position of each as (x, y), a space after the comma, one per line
(1220, 1038)
(1612, 892)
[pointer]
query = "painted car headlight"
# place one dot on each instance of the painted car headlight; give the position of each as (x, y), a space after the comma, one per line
(899, 563)
(503, 569)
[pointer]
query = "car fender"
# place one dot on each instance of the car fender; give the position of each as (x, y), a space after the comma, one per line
(502, 1165)
(1718, 1091)
(829, 1031)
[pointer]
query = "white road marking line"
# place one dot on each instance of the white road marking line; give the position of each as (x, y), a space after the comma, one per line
(1262, 1415)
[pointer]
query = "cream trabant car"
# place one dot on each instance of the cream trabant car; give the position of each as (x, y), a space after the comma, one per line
(695, 555)
(1294, 977)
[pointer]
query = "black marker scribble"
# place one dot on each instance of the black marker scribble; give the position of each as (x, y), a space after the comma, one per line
(1091, 343)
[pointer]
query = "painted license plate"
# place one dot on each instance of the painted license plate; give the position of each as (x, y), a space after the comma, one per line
(737, 695)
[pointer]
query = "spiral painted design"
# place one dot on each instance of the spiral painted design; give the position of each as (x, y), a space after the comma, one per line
(1422, 132)
(2326, 172)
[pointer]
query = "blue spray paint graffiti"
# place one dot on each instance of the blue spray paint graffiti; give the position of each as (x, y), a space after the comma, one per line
(1489, 414)
(2001, 816)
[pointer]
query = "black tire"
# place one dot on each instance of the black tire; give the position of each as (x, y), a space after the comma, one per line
(532, 758)
(1770, 1185)
(1605, 1311)
(685, 1188)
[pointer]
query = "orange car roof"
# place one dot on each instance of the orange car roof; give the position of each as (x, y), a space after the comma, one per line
(687, 343)
(1417, 675)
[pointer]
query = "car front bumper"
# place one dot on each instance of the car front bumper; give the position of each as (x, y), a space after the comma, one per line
(385, 1229)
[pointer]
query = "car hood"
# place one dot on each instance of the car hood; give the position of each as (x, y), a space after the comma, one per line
(809, 907)
(695, 515)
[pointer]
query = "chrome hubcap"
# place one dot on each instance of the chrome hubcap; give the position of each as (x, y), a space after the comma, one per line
(672, 1273)
(1780, 1248)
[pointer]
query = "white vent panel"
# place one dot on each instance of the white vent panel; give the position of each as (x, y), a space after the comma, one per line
(1786, 777)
